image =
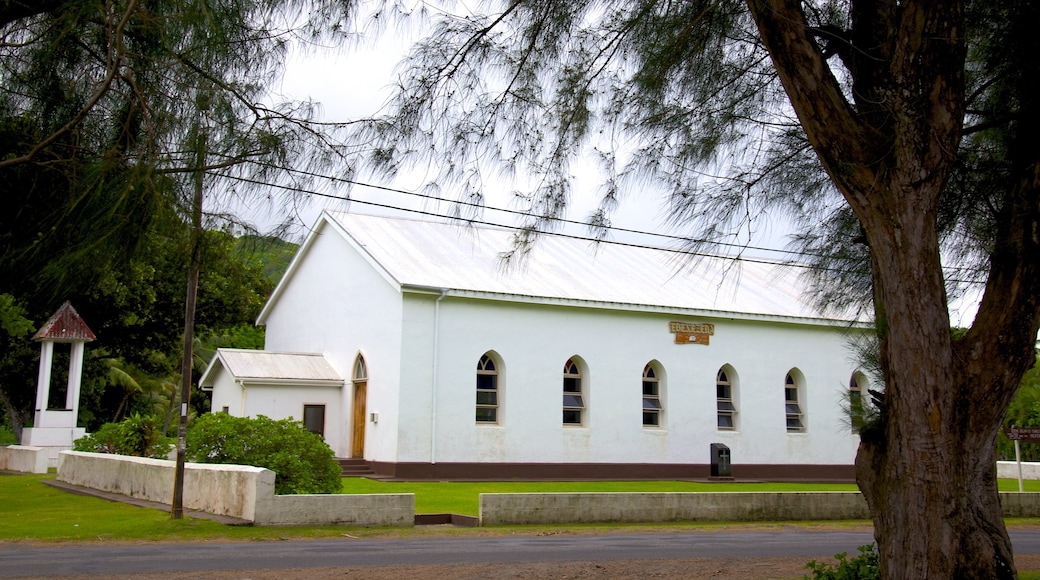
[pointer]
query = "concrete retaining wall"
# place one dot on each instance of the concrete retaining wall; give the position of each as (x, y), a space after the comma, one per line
(248, 493)
(23, 458)
(559, 508)
(228, 490)
(498, 509)
(238, 491)
(322, 510)
(1009, 470)
(1020, 505)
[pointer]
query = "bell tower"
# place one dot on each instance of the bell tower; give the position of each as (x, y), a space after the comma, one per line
(55, 427)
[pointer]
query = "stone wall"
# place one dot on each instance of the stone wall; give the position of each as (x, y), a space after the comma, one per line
(497, 509)
(559, 508)
(22, 458)
(237, 491)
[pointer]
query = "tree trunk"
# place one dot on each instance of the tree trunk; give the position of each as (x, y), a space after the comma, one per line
(935, 507)
(927, 467)
(194, 266)
(12, 414)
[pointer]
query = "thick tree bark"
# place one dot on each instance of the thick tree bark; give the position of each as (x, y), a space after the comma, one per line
(927, 469)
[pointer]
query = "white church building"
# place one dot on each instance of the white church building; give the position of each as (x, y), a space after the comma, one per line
(412, 345)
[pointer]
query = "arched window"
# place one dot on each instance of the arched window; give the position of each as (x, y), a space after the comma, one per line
(573, 396)
(725, 401)
(793, 404)
(359, 412)
(487, 390)
(857, 384)
(652, 408)
(360, 370)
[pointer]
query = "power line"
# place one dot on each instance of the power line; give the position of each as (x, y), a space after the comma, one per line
(673, 237)
(680, 251)
(741, 247)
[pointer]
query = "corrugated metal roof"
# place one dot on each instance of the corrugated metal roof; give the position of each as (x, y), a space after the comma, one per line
(271, 366)
(65, 325)
(466, 258)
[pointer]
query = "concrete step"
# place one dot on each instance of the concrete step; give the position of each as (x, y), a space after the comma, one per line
(355, 467)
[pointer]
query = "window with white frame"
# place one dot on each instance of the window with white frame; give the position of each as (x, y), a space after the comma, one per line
(652, 407)
(487, 390)
(573, 395)
(727, 410)
(793, 405)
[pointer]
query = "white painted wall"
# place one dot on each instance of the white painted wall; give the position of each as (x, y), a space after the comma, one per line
(1009, 470)
(226, 393)
(336, 301)
(534, 341)
(339, 304)
(285, 401)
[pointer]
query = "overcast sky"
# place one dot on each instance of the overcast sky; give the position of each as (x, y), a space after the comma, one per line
(352, 84)
(356, 83)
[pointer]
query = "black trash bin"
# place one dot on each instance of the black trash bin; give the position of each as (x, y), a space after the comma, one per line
(720, 461)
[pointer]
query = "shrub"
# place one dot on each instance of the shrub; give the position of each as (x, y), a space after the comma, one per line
(862, 567)
(141, 436)
(7, 436)
(301, 460)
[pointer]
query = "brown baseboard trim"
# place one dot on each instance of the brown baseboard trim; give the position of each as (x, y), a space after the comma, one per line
(605, 471)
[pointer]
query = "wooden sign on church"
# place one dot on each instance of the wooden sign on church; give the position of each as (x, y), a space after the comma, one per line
(692, 332)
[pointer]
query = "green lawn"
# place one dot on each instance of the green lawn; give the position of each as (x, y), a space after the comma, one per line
(462, 497)
(30, 510)
(435, 497)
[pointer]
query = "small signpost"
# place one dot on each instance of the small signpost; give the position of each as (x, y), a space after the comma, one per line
(1017, 434)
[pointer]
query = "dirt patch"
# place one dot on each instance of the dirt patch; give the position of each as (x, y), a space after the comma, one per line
(689, 568)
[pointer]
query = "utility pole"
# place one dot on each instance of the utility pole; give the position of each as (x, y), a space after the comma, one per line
(177, 508)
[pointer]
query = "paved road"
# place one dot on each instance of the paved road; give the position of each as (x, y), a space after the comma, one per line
(35, 560)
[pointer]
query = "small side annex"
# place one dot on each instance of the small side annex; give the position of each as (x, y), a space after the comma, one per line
(305, 387)
(580, 361)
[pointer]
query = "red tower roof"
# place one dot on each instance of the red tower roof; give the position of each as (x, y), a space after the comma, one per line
(65, 325)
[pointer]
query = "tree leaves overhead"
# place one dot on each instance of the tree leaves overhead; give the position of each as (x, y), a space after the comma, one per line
(681, 97)
(665, 94)
(101, 105)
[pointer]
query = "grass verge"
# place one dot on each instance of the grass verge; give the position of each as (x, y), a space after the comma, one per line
(33, 511)
(436, 497)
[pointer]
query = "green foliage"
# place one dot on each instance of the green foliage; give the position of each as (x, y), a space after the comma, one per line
(12, 317)
(1024, 411)
(140, 436)
(100, 115)
(862, 567)
(301, 460)
(268, 252)
(137, 310)
(16, 375)
(6, 434)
